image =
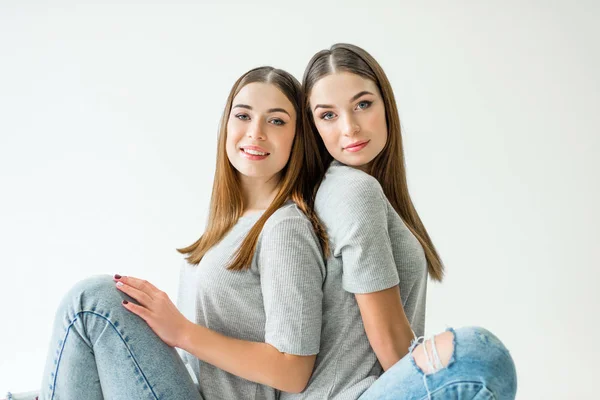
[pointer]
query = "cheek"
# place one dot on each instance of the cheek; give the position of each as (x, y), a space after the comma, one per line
(327, 132)
(377, 124)
(234, 133)
(232, 140)
(285, 141)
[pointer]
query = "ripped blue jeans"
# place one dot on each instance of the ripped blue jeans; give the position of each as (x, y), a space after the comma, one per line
(99, 350)
(480, 368)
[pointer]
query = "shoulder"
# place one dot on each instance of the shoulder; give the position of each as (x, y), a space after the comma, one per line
(288, 236)
(286, 213)
(346, 188)
(339, 173)
(288, 217)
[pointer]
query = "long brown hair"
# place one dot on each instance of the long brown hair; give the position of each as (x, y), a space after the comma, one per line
(227, 204)
(388, 167)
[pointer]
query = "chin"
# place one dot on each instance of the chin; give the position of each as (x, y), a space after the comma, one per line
(255, 172)
(356, 161)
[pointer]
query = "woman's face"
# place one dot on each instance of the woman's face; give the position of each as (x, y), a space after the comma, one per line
(260, 131)
(349, 114)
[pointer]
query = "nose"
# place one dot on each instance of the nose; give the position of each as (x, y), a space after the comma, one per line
(255, 131)
(349, 126)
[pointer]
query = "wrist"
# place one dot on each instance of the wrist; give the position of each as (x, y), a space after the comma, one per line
(186, 334)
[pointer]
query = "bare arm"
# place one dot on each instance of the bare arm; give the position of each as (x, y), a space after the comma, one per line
(386, 325)
(361, 233)
(254, 361)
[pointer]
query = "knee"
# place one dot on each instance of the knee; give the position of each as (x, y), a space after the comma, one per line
(485, 355)
(435, 353)
(89, 292)
(484, 349)
(97, 285)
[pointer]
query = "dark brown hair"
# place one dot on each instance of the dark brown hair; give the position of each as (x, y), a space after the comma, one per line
(227, 205)
(388, 167)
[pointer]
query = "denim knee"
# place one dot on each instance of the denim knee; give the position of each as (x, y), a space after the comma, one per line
(94, 284)
(492, 357)
(88, 293)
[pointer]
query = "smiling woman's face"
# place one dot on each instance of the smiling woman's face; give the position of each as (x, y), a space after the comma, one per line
(349, 114)
(260, 131)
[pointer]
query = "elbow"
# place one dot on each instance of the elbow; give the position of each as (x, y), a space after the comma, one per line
(293, 375)
(294, 383)
(389, 352)
(292, 390)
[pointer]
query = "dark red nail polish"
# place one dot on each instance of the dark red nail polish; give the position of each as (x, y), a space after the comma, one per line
(125, 302)
(117, 276)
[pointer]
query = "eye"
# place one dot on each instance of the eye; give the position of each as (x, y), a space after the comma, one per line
(364, 105)
(277, 121)
(243, 117)
(327, 115)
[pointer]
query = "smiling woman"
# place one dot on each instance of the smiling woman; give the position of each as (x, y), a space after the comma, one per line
(260, 132)
(381, 255)
(352, 124)
(250, 305)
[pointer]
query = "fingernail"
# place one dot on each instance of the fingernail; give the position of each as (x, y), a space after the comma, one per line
(119, 284)
(117, 276)
(125, 302)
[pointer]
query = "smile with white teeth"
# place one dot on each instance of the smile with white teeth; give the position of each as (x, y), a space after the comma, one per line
(254, 152)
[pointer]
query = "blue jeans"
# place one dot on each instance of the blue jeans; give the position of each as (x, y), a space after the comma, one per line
(101, 350)
(480, 368)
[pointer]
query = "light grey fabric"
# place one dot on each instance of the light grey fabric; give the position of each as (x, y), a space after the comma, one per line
(372, 250)
(277, 301)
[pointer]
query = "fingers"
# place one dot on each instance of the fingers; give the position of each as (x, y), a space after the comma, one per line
(139, 284)
(137, 310)
(137, 294)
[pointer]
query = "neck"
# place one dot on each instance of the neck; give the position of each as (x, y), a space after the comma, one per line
(258, 193)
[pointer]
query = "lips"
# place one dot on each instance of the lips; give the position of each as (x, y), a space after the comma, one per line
(357, 146)
(254, 150)
(253, 153)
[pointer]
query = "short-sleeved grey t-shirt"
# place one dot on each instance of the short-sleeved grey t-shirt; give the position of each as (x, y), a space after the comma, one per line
(278, 300)
(371, 250)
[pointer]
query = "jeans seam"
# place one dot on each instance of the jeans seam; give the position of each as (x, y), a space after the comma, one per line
(120, 336)
(478, 383)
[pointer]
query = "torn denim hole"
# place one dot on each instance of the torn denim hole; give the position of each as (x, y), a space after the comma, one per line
(433, 362)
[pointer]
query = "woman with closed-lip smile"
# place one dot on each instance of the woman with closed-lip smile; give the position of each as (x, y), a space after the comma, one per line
(381, 255)
(357, 146)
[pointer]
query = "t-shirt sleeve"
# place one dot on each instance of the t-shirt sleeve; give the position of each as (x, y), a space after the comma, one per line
(362, 237)
(291, 273)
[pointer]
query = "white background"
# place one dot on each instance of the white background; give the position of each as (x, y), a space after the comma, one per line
(108, 121)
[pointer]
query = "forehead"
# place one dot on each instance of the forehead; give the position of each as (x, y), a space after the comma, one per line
(340, 87)
(263, 96)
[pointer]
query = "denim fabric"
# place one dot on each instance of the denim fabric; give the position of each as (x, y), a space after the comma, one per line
(101, 350)
(480, 368)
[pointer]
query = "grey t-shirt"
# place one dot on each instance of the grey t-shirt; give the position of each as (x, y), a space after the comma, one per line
(371, 250)
(277, 301)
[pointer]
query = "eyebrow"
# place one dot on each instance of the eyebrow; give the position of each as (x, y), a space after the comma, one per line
(356, 96)
(359, 94)
(270, 110)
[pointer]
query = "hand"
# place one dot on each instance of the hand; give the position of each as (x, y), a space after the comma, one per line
(155, 308)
